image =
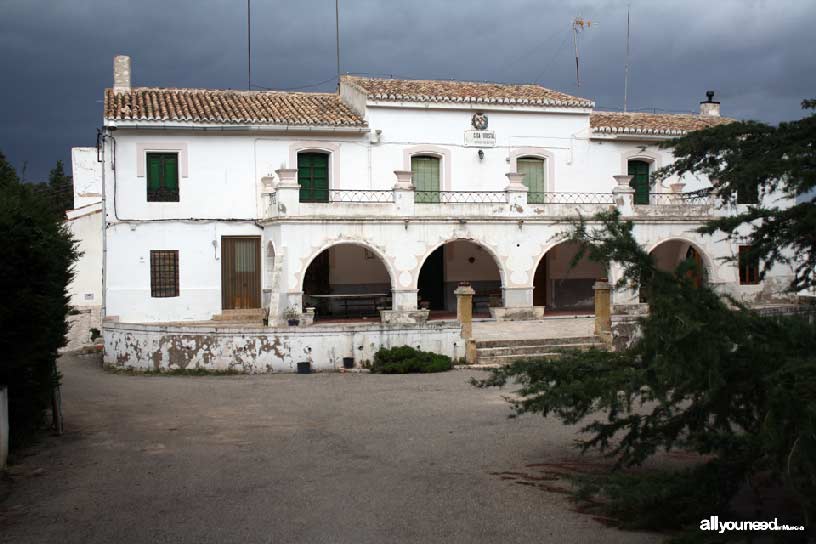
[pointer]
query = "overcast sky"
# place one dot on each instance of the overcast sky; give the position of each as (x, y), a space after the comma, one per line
(56, 56)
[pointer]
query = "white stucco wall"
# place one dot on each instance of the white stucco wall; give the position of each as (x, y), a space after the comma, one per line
(222, 193)
(87, 176)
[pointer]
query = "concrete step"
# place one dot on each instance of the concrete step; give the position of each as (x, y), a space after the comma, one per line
(253, 314)
(563, 342)
(502, 360)
(525, 349)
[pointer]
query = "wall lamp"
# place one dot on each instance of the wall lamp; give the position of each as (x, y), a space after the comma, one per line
(481, 155)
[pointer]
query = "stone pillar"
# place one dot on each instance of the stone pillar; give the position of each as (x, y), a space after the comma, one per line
(404, 299)
(516, 191)
(288, 192)
(294, 300)
(603, 310)
(624, 195)
(404, 193)
(404, 308)
(269, 197)
(464, 314)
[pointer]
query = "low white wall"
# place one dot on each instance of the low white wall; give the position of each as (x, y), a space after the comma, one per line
(265, 349)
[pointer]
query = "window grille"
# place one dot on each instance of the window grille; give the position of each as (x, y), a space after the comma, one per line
(164, 273)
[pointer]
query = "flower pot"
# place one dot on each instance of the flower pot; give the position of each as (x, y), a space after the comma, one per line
(294, 322)
(304, 368)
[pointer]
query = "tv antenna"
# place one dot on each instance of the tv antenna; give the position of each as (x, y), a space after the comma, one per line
(579, 24)
(626, 69)
(337, 36)
(249, 47)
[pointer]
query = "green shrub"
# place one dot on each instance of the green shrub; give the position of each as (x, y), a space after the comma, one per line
(38, 254)
(407, 360)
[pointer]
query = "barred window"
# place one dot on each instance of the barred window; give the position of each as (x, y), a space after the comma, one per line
(164, 273)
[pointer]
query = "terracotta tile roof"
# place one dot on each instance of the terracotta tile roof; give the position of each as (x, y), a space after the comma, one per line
(652, 124)
(422, 90)
(229, 107)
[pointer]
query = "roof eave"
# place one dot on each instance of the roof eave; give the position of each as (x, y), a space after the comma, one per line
(233, 127)
(480, 106)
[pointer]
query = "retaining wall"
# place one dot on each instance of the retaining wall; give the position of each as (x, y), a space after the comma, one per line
(255, 349)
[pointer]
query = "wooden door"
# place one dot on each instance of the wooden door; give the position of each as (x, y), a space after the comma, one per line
(313, 177)
(240, 272)
(639, 170)
(425, 173)
(534, 178)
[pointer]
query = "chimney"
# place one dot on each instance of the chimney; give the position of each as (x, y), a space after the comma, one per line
(710, 108)
(121, 74)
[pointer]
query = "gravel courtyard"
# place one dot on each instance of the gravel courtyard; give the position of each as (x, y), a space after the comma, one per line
(329, 458)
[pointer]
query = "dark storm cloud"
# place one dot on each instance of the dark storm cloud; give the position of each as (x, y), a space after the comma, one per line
(56, 56)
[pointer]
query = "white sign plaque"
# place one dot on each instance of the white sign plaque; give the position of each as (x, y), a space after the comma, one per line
(480, 138)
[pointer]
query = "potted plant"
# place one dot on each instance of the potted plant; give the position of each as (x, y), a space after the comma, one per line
(292, 316)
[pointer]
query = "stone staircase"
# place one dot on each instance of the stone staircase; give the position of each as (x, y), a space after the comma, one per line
(494, 353)
(253, 316)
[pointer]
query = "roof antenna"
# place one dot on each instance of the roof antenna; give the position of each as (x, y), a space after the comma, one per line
(337, 35)
(249, 48)
(626, 70)
(578, 24)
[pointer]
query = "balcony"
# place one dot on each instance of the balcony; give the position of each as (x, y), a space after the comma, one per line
(515, 201)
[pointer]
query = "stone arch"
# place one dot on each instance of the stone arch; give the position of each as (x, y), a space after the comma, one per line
(490, 250)
(448, 263)
(708, 264)
(347, 279)
(578, 296)
(353, 242)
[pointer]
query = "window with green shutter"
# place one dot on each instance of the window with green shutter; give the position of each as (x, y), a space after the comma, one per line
(534, 178)
(313, 177)
(162, 177)
(425, 173)
(639, 170)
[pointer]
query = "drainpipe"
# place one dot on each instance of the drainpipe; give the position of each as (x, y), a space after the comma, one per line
(103, 311)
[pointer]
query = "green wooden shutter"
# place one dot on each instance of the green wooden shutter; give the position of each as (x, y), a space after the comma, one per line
(170, 177)
(153, 171)
(425, 173)
(639, 170)
(313, 177)
(534, 178)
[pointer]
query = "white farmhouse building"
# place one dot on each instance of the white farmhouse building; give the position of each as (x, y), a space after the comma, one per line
(359, 212)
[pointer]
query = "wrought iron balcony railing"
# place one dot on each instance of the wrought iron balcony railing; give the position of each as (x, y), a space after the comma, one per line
(701, 197)
(460, 197)
(361, 196)
(570, 198)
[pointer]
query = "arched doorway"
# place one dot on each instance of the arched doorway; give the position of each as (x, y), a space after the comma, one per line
(561, 287)
(451, 264)
(347, 281)
(670, 254)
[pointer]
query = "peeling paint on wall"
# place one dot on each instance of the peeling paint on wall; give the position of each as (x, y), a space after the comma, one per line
(259, 349)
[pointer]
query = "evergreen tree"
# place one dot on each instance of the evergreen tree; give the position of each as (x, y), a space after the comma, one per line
(755, 158)
(707, 374)
(34, 273)
(61, 189)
